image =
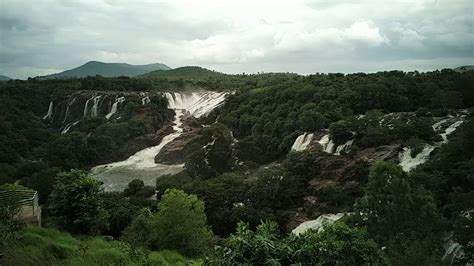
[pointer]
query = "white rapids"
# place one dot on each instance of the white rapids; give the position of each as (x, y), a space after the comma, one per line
(302, 142)
(142, 165)
(50, 111)
(318, 224)
(328, 145)
(408, 163)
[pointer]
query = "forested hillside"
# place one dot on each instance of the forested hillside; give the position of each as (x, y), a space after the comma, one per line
(389, 152)
(95, 68)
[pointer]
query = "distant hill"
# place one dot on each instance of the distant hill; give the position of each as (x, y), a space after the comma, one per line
(187, 72)
(94, 68)
(2, 78)
(463, 68)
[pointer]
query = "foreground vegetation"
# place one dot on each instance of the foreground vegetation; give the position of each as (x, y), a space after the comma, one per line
(40, 246)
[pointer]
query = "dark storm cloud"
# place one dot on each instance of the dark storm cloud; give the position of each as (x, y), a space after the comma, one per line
(45, 36)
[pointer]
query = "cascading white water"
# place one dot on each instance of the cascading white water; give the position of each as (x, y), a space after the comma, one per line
(408, 163)
(95, 107)
(142, 165)
(146, 100)
(50, 111)
(86, 106)
(318, 224)
(450, 130)
(68, 127)
(67, 109)
(344, 147)
(114, 108)
(302, 142)
(196, 103)
(328, 145)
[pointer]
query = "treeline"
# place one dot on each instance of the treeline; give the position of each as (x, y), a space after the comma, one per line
(270, 115)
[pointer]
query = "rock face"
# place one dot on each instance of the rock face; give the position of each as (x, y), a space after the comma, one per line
(177, 151)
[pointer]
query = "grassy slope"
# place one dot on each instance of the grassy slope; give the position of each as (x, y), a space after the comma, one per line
(40, 246)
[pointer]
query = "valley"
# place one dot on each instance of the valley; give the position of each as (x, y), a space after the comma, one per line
(300, 151)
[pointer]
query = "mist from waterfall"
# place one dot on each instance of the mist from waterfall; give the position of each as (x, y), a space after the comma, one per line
(142, 165)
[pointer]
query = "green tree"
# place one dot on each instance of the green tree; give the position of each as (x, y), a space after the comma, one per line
(133, 187)
(180, 224)
(340, 132)
(336, 244)
(121, 212)
(400, 216)
(76, 204)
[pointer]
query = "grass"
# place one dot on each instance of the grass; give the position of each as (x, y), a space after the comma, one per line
(41, 246)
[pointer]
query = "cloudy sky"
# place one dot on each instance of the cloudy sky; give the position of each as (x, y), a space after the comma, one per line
(39, 37)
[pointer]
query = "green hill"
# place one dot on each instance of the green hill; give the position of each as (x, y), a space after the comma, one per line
(94, 68)
(463, 68)
(2, 78)
(187, 73)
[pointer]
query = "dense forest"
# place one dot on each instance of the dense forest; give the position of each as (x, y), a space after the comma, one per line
(238, 201)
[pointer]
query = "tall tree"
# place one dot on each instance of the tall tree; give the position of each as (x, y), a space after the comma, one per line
(76, 203)
(400, 217)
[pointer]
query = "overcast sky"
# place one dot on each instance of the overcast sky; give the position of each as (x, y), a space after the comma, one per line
(39, 37)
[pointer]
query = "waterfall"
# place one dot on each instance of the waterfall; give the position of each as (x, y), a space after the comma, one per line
(344, 147)
(67, 109)
(68, 127)
(142, 165)
(408, 163)
(95, 107)
(318, 224)
(146, 100)
(327, 144)
(114, 108)
(450, 130)
(50, 111)
(302, 142)
(86, 107)
(196, 104)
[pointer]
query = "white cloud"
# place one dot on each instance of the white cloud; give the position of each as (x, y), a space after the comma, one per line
(235, 36)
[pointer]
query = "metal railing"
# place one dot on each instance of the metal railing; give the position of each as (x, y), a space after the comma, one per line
(27, 200)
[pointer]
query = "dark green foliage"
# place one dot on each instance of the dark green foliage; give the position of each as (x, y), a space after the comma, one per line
(340, 132)
(121, 213)
(76, 203)
(400, 216)
(41, 246)
(337, 244)
(136, 188)
(179, 225)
